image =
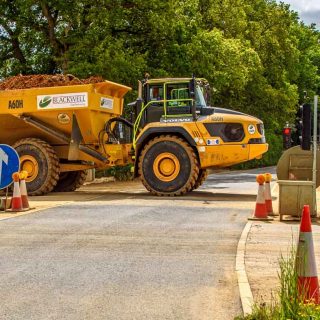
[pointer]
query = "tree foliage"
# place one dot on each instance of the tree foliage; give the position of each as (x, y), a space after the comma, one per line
(259, 57)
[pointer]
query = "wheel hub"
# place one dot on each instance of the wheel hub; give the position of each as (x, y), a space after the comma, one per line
(29, 164)
(166, 166)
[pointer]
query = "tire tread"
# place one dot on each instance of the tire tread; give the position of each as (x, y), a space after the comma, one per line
(53, 163)
(192, 156)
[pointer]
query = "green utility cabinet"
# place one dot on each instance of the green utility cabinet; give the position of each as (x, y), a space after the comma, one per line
(293, 195)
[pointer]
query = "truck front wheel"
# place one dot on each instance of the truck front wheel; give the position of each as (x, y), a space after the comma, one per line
(203, 174)
(168, 166)
(39, 159)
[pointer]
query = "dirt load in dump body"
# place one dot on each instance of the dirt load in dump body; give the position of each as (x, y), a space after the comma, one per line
(45, 80)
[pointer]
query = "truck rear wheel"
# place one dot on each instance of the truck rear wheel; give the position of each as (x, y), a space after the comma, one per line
(203, 174)
(70, 181)
(168, 166)
(39, 159)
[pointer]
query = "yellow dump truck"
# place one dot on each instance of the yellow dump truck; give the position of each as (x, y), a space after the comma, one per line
(172, 138)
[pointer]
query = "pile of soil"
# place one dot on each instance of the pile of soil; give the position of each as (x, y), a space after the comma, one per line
(44, 80)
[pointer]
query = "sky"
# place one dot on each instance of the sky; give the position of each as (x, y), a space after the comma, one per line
(309, 10)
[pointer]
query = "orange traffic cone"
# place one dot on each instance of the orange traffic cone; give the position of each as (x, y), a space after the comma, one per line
(308, 284)
(16, 203)
(267, 194)
(23, 189)
(260, 212)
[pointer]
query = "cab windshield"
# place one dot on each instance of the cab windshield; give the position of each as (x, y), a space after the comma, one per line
(200, 101)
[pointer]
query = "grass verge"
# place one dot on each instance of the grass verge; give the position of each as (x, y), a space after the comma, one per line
(287, 304)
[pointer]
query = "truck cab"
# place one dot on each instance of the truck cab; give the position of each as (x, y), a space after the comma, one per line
(173, 98)
(177, 136)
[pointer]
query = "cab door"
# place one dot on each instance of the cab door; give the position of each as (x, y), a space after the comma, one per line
(178, 99)
(155, 95)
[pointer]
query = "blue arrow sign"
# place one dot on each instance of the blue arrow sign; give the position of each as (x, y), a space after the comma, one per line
(9, 164)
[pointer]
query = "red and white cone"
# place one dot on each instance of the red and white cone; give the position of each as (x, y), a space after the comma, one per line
(16, 202)
(308, 284)
(267, 194)
(260, 212)
(23, 189)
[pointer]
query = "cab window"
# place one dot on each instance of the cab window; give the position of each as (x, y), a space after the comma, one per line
(200, 101)
(178, 92)
(156, 93)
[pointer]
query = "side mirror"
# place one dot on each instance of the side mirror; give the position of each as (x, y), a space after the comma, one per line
(132, 109)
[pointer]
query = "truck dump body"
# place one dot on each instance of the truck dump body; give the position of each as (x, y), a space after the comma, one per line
(59, 131)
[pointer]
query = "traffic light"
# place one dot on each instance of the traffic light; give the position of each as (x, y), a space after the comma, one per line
(304, 127)
(286, 135)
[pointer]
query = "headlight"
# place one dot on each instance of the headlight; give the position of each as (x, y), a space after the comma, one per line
(234, 131)
(228, 132)
(251, 129)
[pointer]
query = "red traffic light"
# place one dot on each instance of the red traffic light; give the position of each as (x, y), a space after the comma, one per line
(286, 131)
(286, 136)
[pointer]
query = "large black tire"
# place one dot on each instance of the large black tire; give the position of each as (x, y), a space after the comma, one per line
(203, 174)
(70, 181)
(168, 166)
(40, 160)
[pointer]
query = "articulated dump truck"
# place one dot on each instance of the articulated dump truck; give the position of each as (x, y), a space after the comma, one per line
(171, 140)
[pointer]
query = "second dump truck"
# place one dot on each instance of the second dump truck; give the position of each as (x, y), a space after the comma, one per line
(172, 138)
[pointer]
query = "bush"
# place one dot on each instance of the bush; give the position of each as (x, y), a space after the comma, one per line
(121, 173)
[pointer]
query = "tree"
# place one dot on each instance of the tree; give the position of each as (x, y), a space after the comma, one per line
(257, 54)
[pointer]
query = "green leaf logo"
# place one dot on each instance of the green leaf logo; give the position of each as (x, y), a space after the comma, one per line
(44, 102)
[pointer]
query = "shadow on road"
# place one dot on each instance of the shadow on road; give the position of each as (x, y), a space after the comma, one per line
(103, 195)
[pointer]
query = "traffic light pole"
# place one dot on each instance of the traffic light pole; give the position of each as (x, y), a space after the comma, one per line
(315, 147)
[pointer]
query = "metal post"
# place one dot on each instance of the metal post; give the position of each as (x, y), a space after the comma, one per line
(314, 166)
(6, 201)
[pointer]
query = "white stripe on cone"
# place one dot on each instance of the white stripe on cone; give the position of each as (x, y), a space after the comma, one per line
(306, 261)
(267, 191)
(23, 188)
(260, 195)
(268, 199)
(16, 190)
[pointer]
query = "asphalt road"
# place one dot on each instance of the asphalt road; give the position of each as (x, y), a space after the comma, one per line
(127, 256)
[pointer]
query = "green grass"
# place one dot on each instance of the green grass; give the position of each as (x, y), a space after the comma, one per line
(288, 303)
